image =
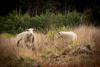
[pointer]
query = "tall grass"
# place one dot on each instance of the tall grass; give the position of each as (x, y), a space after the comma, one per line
(49, 50)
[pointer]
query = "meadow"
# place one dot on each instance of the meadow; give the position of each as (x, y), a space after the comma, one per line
(50, 51)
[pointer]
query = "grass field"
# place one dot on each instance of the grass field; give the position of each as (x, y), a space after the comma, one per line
(50, 51)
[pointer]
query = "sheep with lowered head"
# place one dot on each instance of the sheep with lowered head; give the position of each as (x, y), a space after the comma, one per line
(67, 36)
(26, 38)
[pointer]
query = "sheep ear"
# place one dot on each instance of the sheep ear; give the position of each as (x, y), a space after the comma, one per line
(59, 33)
(34, 29)
(27, 30)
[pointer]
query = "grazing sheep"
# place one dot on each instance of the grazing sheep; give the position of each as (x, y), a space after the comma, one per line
(26, 38)
(69, 36)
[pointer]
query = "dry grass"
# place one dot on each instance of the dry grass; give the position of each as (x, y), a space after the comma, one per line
(48, 49)
(7, 47)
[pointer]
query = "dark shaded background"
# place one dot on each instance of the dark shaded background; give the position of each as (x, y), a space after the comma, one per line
(40, 6)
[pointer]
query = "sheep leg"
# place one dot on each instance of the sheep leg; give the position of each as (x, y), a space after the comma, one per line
(33, 42)
(18, 42)
(25, 44)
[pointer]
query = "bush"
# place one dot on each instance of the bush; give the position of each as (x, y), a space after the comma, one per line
(15, 23)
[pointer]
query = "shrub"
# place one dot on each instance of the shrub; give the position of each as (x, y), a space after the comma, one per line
(15, 23)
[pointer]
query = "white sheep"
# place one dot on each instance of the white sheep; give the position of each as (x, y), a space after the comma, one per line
(68, 36)
(26, 38)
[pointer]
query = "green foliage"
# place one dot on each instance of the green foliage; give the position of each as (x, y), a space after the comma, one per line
(72, 19)
(7, 35)
(15, 23)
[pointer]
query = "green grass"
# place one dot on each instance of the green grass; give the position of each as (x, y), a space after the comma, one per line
(7, 35)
